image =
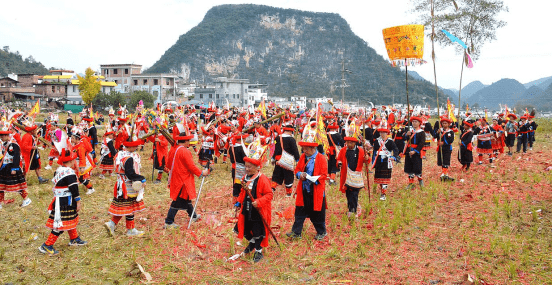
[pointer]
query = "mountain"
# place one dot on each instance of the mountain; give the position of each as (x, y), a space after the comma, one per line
(543, 83)
(538, 98)
(504, 91)
(471, 89)
(532, 92)
(14, 63)
(416, 76)
(294, 52)
(452, 93)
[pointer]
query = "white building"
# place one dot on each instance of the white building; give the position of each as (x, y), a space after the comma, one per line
(186, 90)
(129, 77)
(299, 101)
(255, 94)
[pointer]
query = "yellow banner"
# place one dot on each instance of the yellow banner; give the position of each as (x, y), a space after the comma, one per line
(404, 42)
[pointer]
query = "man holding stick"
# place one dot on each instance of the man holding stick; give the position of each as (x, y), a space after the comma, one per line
(181, 180)
(29, 151)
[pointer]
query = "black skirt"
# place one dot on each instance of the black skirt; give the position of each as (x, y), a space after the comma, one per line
(69, 215)
(466, 156)
(413, 164)
(281, 175)
(205, 154)
(12, 183)
(35, 161)
(332, 165)
(156, 165)
(443, 157)
(107, 163)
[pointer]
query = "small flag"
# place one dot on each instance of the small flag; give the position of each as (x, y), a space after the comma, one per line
(450, 109)
(262, 108)
(321, 136)
(35, 110)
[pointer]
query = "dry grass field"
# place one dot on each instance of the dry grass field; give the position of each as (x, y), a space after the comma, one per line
(493, 223)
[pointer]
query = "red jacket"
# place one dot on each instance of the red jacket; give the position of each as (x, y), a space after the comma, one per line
(83, 149)
(320, 169)
(275, 130)
(341, 157)
(121, 137)
(182, 173)
(27, 143)
(162, 148)
(241, 121)
(261, 131)
(264, 200)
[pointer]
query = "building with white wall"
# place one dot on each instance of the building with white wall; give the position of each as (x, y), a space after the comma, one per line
(129, 77)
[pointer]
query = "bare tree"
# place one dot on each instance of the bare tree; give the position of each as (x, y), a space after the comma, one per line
(473, 21)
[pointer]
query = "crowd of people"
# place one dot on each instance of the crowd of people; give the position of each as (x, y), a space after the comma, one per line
(307, 148)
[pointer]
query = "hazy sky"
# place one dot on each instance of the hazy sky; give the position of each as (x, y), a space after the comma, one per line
(75, 36)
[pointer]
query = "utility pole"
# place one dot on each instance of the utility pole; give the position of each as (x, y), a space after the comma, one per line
(343, 71)
(342, 80)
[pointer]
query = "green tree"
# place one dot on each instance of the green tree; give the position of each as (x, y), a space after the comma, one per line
(101, 101)
(89, 86)
(114, 99)
(138, 95)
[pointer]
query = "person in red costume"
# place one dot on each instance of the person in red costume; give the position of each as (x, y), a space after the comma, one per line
(221, 140)
(29, 150)
(255, 213)
(312, 171)
(350, 160)
(160, 151)
(181, 180)
(121, 133)
(84, 162)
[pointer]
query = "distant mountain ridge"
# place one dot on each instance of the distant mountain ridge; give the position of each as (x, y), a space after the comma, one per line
(14, 63)
(504, 91)
(294, 52)
(537, 93)
(542, 83)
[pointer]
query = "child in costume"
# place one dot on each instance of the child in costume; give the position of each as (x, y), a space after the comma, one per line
(12, 178)
(385, 152)
(129, 189)
(255, 203)
(107, 152)
(65, 206)
(445, 137)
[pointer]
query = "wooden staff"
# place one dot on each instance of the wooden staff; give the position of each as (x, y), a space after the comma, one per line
(265, 121)
(40, 138)
(153, 132)
(244, 186)
(167, 135)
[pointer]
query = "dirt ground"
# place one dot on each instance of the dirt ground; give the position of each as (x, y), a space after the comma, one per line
(493, 223)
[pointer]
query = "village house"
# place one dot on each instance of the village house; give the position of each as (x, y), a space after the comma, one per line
(129, 77)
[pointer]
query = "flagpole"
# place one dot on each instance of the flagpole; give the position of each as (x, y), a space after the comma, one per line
(460, 89)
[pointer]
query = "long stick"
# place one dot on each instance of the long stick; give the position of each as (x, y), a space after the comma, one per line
(195, 205)
(407, 99)
(154, 154)
(263, 218)
(460, 90)
(366, 152)
(197, 199)
(265, 121)
(165, 133)
(433, 56)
